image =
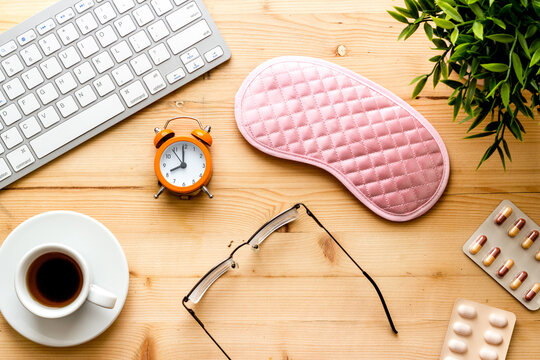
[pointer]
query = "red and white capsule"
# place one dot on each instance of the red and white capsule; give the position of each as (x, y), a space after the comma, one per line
(516, 228)
(530, 239)
(477, 244)
(503, 270)
(529, 295)
(490, 258)
(503, 215)
(520, 278)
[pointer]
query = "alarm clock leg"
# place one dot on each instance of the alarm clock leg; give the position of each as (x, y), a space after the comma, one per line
(203, 188)
(159, 192)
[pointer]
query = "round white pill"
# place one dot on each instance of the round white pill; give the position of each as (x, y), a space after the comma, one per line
(492, 337)
(457, 346)
(462, 328)
(498, 320)
(488, 354)
(467, 311)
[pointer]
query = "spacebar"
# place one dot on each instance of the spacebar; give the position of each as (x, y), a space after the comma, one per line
(78, 125)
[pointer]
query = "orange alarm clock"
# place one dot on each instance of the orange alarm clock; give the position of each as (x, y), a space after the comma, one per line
(183, 164)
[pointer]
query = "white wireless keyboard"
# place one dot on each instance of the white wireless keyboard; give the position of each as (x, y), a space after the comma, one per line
(79, 67)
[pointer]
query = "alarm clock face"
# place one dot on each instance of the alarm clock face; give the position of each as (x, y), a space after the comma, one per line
(183, 164)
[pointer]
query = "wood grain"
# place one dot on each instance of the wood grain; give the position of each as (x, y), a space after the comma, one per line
(299, 297)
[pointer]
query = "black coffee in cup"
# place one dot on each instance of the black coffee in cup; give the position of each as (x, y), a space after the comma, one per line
(54, 279)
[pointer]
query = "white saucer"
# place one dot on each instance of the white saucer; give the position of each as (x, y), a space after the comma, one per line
(105, 259)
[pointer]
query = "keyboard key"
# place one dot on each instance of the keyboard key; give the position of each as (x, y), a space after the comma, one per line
(67, 106)
(20, 158)
(66, 83)
(12, 65)
(83, 5)
(195, 65)
(65, 15)
(85, 96)
(158, 30)
(189, 56)
(84, 72)
(68, 34)
(125, 25)
(103, 62)
(213, 54)
(86, 23)
(12, 137)
(176, 75)
(179, 2)
(122, 75)
(159, 54)
(14, 88)
(88, 46)
(78, 125)
(2, 102)
(32, 78)
(26, 37)
(141, 64)
(105, 13)
(143, 15)
(49, 44)
(8, 48)
(139, 41)
(10, 114)
(183, 16)
(29, 104)
(104, 85)
(47, 93)
(31, 55)
(154, 82)
(123, 5)
(69, 57)
(30, 127)
(134, 93)
(48, 117)
(189, 37)
(121, 51)
(161, 6)
(45, 26)
(4, 169)
(106, 36)
(50, 67)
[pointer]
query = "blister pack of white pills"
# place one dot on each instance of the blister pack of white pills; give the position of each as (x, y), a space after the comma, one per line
(477, 331)
(505, 246)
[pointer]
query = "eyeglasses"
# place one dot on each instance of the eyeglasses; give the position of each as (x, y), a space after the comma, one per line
(287, 216)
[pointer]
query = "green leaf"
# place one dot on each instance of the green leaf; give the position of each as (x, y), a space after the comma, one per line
(502, 38)
(506, 149)
(428, 30)
(416, 79)
(454, 36)
(410, 31)
(480, 135)
(535, 57)
(523, 44)
(404, 12)
(518, 68)
(492, 126)
(450, 11)
(457, 106)
(443, 23)
(452, 83)
(439, 43)
(505, 94)
(435, 58)
(411, 6)
(499, 23)
(495, 67)
(490, 150)
(419, 87)
(398, 17)
(444, 70)
(436, 75)
(477, 10)
(501, 155)
(478, 30)
(491, 2)
(404, 32)
(530, 31)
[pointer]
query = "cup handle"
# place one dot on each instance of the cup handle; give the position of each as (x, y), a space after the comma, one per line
(101, 297)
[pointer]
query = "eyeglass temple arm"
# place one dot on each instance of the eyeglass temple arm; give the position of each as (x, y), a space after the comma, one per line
(192, 313)
(387, 312)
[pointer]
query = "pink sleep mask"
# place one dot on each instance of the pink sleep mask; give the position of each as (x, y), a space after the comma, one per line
(316, 112)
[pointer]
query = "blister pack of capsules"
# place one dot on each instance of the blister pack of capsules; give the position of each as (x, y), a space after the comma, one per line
(506, 247)
(477, 331)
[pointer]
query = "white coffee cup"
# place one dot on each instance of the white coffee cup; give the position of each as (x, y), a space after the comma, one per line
(89, 291)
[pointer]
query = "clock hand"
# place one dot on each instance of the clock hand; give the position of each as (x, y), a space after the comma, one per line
(183, 156)
(175, 168)
(182, 163)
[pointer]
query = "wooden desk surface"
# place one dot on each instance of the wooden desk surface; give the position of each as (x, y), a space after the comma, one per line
(300, 298)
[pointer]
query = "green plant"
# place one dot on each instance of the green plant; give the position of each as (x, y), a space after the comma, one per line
(493, 48)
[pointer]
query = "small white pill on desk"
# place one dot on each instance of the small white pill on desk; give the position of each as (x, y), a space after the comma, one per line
(488, 354)
(462, 328)
(457, 346)
(498, 320)
(492, 337)
(467, 311)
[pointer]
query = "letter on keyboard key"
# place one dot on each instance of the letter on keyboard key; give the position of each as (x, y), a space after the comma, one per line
(134, 93)
(12, 137)
(188, 37)
(30, 127)
(48, 117)
(20, 158)
(29, 104)
(76, 126)
(67, 106)
(4, 170)
(51, 67)
(10, 114)
(104, 85)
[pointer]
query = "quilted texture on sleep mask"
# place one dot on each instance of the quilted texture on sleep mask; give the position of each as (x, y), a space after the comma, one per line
(319, 113)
